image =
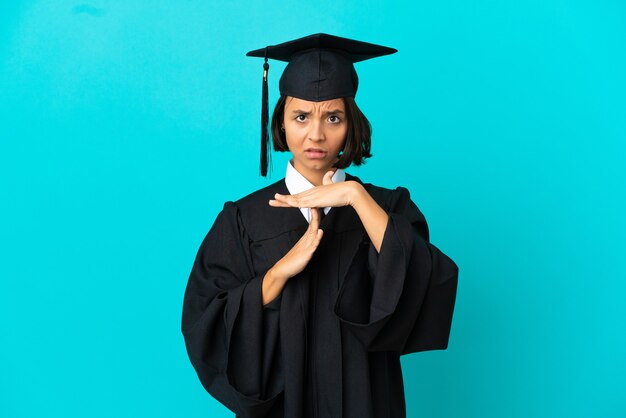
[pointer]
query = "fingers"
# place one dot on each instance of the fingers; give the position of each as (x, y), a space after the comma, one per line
(300, 254)
(315, 227)
(289, 200)
(283, 201)
(315, 219)
(314, 234)
(305, 199)
(328, 178)
(318, 238)
(279, 204)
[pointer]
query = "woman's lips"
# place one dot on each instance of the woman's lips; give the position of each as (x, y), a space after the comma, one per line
(315, 154)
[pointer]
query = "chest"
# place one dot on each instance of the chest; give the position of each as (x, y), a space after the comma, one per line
(344, 243)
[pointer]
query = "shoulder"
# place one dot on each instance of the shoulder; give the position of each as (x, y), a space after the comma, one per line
(260, 197)
(252, 202)
(256, 216)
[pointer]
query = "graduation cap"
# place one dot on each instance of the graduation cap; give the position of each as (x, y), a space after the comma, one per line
(320, 67)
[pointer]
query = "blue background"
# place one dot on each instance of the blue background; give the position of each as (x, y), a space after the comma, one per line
(125, 125)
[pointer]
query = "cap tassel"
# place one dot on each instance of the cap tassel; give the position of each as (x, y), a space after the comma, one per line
(265, 154)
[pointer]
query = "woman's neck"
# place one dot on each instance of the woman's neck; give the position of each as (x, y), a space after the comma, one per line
(315, 177)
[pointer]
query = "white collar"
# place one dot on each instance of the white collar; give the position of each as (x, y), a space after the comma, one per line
(297, 183)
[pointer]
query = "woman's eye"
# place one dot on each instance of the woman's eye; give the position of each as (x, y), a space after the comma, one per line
(334, 119)
(301, 118)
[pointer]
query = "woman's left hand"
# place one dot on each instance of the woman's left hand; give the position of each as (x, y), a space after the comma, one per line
(328, 194)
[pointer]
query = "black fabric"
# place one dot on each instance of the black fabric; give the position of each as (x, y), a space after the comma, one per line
(322, 214)
(320, 65)
(330, 344)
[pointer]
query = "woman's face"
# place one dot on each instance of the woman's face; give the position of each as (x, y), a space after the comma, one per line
(315, 132)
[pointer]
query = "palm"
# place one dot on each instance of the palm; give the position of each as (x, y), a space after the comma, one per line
(328, 194)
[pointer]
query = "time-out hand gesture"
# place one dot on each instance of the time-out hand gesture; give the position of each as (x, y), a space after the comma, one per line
(328, 194)
(300, 254)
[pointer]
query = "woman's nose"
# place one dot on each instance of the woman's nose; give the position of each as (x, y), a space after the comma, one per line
(317, 132)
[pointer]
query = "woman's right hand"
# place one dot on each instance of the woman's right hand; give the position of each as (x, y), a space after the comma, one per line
(294, 261)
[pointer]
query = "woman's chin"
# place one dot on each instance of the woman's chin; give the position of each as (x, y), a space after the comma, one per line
(319, 167)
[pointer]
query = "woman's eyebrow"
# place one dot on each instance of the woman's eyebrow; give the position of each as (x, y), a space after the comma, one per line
(334, 111)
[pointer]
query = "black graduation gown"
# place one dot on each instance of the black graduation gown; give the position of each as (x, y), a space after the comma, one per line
(330, 344)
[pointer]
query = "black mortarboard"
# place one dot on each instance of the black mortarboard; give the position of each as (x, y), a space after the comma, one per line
(320, 68)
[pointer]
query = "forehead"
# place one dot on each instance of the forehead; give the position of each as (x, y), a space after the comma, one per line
(300, 104)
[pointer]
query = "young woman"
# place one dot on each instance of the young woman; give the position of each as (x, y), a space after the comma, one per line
(304, 294)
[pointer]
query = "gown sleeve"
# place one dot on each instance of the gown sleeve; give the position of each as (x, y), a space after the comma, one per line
(402, 298)
(232, 340)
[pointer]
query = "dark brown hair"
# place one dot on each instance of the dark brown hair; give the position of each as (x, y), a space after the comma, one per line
(358, 138)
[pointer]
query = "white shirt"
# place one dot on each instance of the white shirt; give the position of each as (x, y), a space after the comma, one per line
(297, 183)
